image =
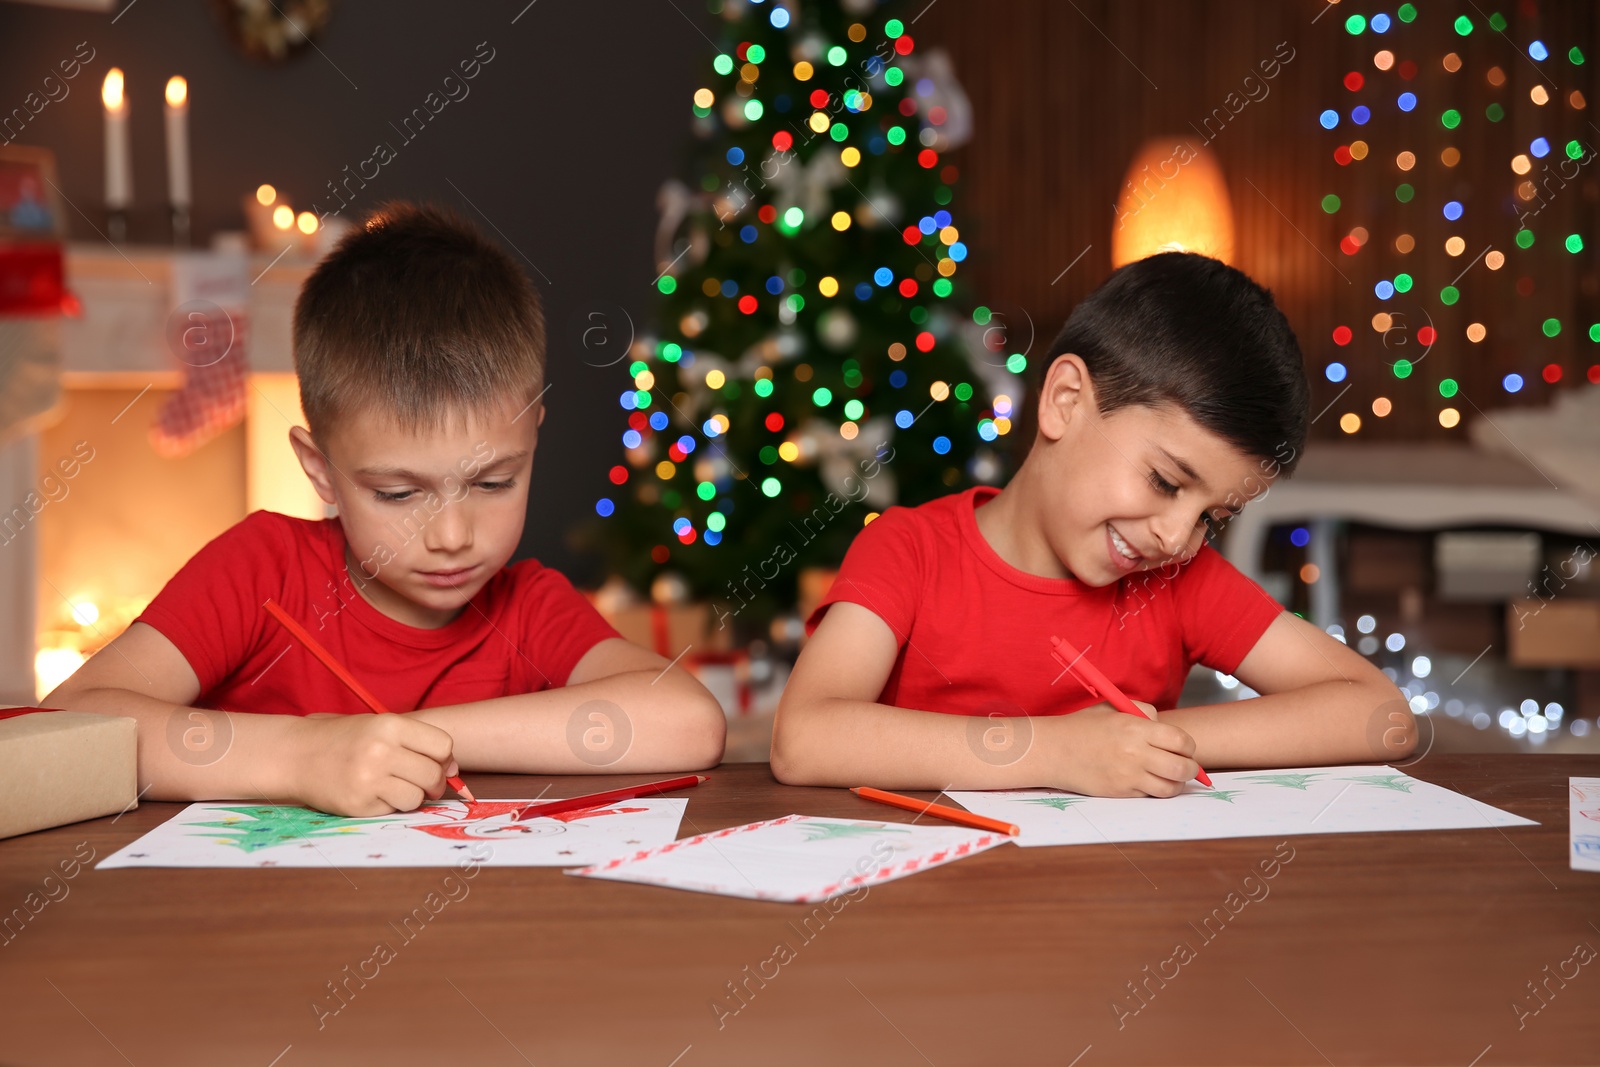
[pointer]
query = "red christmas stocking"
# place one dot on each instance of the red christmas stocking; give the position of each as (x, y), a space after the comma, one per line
(212, 347)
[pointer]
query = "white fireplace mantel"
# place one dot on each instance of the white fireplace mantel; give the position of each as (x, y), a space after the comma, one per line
(127, 296)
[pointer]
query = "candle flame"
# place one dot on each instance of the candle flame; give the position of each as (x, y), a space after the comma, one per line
(265, 194)
(283, 216)
(111, 89)
(307, 222)
(177, 90)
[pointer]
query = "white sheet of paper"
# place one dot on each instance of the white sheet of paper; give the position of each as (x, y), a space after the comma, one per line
(1583, 823)
(798, 858)
(1303, 800)
(443, 834)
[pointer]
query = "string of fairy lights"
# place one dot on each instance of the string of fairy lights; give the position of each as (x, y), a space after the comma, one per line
(1427, 215)
(1395, 84)
(853, 101)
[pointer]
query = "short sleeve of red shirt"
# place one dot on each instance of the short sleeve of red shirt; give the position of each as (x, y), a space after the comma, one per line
(882, 571)
(1222, 613)
(557, 621)
(211, 609)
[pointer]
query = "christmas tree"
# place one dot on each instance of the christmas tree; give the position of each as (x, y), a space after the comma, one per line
(813, 361)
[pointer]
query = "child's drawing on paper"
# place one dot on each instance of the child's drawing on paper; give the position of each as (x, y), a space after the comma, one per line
(1216, 794)
(492, 819)
(1288, 781)
(437, 835)
(259, 826)
(1255, 804)
(816, 830)
(1400, 783)
(1058, 803)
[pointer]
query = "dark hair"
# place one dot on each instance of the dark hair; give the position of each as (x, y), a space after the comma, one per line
(417, 314)
(1189, 330)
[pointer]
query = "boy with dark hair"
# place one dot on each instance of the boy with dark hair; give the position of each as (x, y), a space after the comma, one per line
(1174, 394)
(420, 350)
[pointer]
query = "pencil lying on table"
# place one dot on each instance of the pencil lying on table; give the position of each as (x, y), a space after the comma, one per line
(301, 634)
(610, 796)
(938, 811)
(1101, 687)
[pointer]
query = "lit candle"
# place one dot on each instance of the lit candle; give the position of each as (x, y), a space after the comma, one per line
(258, 215)
(178, 142)
(119, 178)
(306, 223)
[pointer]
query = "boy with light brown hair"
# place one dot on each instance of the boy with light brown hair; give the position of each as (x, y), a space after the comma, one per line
(420, 349)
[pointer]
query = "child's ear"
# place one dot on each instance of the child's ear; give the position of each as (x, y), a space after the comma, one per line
(1066, 390)
(313, 462)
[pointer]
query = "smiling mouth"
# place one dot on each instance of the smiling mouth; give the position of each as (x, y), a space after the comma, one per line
(1122, 547)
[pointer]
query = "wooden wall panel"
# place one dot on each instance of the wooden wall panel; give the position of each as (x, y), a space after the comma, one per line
(1064, 93)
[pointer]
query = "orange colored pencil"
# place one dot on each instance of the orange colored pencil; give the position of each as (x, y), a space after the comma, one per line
(301, 634)
(938, 811)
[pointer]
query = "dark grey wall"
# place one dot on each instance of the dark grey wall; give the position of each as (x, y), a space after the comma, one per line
(561, 143)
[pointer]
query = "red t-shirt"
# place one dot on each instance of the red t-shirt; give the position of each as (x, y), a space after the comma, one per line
(524, 631)
(974, 632)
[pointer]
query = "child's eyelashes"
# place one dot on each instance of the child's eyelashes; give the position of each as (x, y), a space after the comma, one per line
(402, 495)
(1211, 524)
(1162, 486)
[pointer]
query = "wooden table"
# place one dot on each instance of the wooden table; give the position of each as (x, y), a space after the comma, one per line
(1364, 948)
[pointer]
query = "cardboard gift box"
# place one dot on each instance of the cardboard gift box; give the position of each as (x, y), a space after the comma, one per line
(670, 629)
(59, 767)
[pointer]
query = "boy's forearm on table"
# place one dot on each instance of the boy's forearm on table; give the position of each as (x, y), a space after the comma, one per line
(1326, 722)
(189, 753)
(839, 742)
(634, 722)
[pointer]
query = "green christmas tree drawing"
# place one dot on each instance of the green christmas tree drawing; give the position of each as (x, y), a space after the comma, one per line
(829, 831)
(270, 825)
(1400, 783)
(1216, 794)
(1288, 781)
(814, 360)
(1058, 803)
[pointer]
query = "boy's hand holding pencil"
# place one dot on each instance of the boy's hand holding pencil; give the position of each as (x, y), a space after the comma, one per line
(1146, 756)
(364, 765)
(1110, 754)
(379, 768)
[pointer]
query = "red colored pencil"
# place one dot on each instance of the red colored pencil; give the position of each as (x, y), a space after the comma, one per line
(1100, 686)
(610, 796)
(938, 811)
(301, 634)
